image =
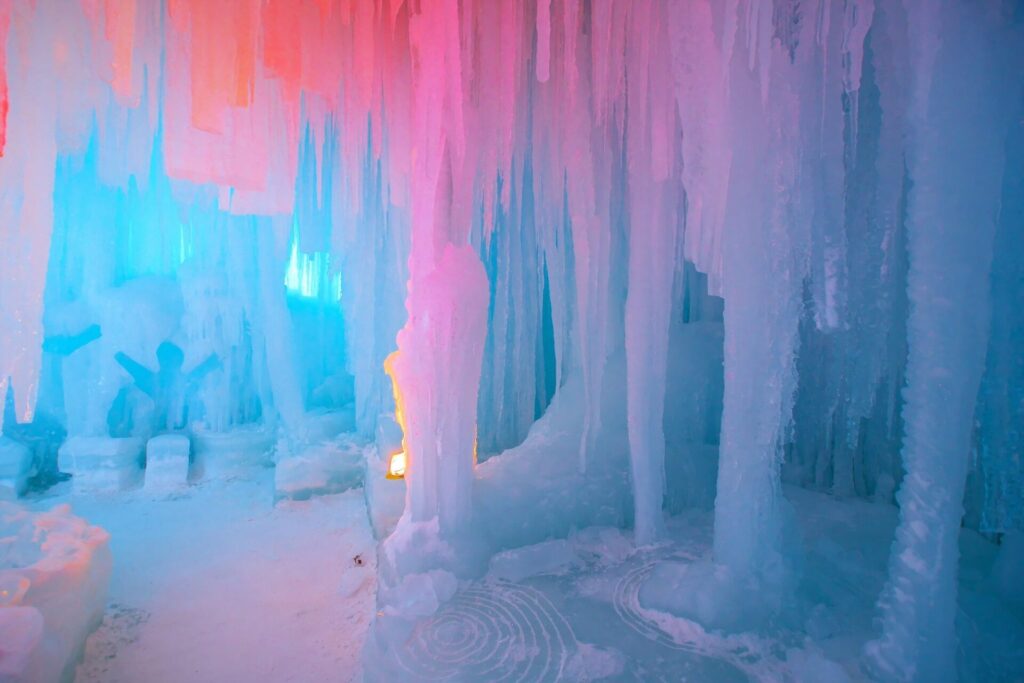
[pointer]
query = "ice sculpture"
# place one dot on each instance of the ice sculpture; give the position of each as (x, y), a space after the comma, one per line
(168, 386)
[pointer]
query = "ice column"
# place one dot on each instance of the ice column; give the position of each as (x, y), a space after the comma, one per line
(962, 75)
(761, 283)
(436, 369)
(652, 257)
(437, 372)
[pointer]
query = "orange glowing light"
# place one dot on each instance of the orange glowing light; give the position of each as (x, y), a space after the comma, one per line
(399, 460)
(396, 465)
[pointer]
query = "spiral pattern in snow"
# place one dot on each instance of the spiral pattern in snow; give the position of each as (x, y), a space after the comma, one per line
(490, 632)
(745, 653)
(627, 606)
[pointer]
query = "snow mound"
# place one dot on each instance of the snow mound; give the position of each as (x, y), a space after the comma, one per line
(326, 467)
(54, 573)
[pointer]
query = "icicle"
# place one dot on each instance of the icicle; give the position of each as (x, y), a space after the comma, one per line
(273, 239)
(5, 24)
(543, 40)
(26, 212)
(856, 24)
(700, 82)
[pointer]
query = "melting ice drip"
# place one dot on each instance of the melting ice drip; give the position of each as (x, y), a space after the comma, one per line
(490, 632)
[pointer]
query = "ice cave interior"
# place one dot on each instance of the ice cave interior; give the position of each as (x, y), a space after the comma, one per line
(512, 340)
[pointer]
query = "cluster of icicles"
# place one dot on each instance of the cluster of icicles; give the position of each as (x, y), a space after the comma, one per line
(724, 134)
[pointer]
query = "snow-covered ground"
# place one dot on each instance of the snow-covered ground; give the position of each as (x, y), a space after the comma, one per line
(220, 584)
(573, 610)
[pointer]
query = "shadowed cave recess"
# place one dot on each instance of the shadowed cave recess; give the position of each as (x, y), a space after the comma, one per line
(512, 340)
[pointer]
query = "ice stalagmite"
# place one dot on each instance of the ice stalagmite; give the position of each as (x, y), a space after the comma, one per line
(959, 114)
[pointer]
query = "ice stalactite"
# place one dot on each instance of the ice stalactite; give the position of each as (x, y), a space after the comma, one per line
(513, 356)
(5, 26)
(959, 114)
(27, 170)
(849, 443)
(589, 117)
(701, 97)
(775, 166)
(374, 251)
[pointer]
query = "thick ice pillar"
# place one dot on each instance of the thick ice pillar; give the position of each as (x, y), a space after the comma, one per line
(651, 130)
(763, 253)
(436, 371)
(962, 83)
(648, 310)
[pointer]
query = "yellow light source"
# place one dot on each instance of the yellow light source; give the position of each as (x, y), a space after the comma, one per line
(396, 465)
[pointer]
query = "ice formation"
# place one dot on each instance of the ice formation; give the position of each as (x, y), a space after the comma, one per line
(601, 260)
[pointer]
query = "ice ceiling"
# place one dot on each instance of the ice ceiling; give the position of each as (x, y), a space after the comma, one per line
(542, 183)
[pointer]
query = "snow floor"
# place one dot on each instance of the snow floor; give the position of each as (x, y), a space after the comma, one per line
(579, 617)
(219, 584)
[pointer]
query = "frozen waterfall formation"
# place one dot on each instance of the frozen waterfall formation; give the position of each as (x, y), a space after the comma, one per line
(723, 244)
